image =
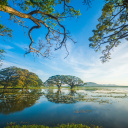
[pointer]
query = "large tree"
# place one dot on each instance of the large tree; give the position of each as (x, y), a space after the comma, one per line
(73, 81)
(58, 80)
(13, 76)
(112, 27)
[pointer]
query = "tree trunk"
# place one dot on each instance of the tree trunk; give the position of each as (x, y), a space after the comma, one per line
(23, 89)
(71, 87)
(59, 86)
(5, 86)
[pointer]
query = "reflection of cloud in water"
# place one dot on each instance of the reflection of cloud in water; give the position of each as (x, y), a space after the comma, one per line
(29, 90)
(43, 90)
(123, 104)
(111, 90)
(65, 91)
(81, 91)
(54, 106)
(80, 105)
(55, 90)
(42, 99)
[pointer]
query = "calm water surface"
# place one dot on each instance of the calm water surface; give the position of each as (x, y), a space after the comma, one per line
(107, 107)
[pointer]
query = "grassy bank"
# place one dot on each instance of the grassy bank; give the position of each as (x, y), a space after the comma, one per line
(59, 126)
(50, 87)
(89, 88)
(19, 87)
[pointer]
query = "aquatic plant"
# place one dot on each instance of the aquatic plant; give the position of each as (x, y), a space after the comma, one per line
(59, 126)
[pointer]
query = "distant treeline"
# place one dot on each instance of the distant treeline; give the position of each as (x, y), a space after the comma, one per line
(22, 78)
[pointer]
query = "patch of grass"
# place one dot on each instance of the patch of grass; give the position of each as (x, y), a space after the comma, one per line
(20, 87)
(1, 86)
(58, 126)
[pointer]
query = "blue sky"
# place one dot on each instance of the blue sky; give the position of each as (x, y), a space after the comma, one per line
(82, 60)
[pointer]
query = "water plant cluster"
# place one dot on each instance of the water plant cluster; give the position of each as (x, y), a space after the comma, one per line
(59, 126)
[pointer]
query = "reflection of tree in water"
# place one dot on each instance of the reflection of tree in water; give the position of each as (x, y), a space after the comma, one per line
(13, 100)
(60, 97)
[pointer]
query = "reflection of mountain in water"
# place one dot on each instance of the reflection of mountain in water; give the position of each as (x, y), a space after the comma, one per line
(13, 100)
(61, 97)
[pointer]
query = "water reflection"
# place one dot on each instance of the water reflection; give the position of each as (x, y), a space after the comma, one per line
(13, 100)
(61, 97)
(105, 107)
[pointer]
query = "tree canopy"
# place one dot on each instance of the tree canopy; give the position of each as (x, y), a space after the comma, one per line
(42, 13)
(58, 80)
(73, 81)
(13, 76)
(112, 27)
(50, 14)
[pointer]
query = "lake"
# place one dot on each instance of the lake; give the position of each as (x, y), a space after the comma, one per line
(102, 106)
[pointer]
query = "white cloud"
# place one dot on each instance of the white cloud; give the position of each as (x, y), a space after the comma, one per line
(7, 47)
(52, 65)
(113, 72)
(42, 75)
(82, 63)
(22, 45)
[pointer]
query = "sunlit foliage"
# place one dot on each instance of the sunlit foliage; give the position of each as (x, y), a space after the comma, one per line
(58, 80)
(112, 27)
(48, 13)
(13, 76)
